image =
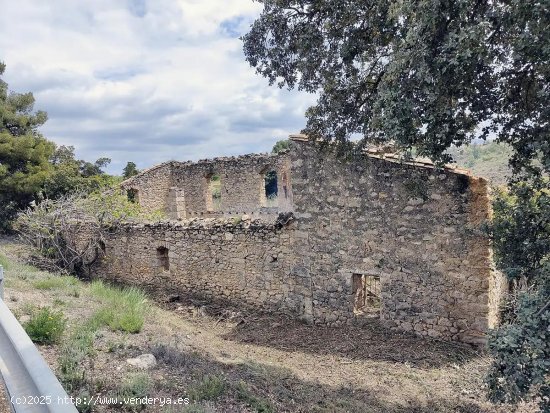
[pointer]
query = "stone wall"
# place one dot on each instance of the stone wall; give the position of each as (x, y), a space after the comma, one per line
(409, 231)
(246, 262)
(182, 189)
(414, 227)
(241, 180)
(151, 188)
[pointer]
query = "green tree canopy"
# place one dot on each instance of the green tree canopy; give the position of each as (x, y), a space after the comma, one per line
(424, 74)
(24, 152)
(281, 145)
(71, 174)
(32, 168)
(129, 170)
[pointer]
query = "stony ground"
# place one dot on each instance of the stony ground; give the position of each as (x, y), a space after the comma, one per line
(4, 404)
(228, 360)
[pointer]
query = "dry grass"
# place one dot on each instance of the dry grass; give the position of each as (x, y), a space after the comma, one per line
(228, 360)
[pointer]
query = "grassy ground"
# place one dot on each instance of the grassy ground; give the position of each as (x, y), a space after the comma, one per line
(225, 360)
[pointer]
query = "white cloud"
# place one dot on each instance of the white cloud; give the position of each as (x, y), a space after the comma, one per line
(204, 17)
(145, 80)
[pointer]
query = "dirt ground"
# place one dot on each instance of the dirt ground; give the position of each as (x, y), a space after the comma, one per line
(230, 360)
(4, 403)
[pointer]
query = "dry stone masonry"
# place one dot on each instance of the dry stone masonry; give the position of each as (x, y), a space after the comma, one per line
(327, 240)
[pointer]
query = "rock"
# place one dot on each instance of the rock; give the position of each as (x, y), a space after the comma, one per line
(415, 201)
(144, 361)
(173, 298)
(24, 318)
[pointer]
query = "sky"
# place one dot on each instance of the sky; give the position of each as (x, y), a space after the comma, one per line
(145, 80)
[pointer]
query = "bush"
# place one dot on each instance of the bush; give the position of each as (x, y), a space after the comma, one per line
(45, 326)
(209, 388)
(52, 227)
(84, 402)
(71, 373)
(135, 385)
(73, 353)
(521, 230)
(170, 356)
(522, 352)
(259, 404)
(521, 345)
(4, 262)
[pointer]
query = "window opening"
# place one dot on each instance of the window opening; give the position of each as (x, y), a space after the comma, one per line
(162, 258)
(132, 195)
(270, 189)
(366, 293)
(214, 196)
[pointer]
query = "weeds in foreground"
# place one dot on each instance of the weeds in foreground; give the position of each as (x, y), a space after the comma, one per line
(259, 404)
(4, 262)
(45, 326)
(55, 283)
(123, 308)
(73, 353)
(136, 386)
(169, 355)
(210, 387)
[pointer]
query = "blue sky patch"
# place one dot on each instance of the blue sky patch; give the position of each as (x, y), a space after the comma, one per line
(232, 27)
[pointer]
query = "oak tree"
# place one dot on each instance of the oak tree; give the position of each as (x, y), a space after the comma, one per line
(422, 74)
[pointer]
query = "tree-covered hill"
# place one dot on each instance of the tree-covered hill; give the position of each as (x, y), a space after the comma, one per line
(489, 160)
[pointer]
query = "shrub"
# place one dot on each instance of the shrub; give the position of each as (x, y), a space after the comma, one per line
(521, 345)
(45, 326)
(71, 373)
(522, 352)
(259, 404)
(73, 352)
(135, 385)
(52, 227)
(171, 356)
(84, 402)
(209, 388)
(4, 262)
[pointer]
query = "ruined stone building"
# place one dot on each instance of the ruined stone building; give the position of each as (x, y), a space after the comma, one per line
(321, 238)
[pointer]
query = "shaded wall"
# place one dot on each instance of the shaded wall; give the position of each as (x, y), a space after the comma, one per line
(246, 263)
(416, 228)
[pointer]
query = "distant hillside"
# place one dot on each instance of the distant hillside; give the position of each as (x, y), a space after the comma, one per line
(489, 160)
